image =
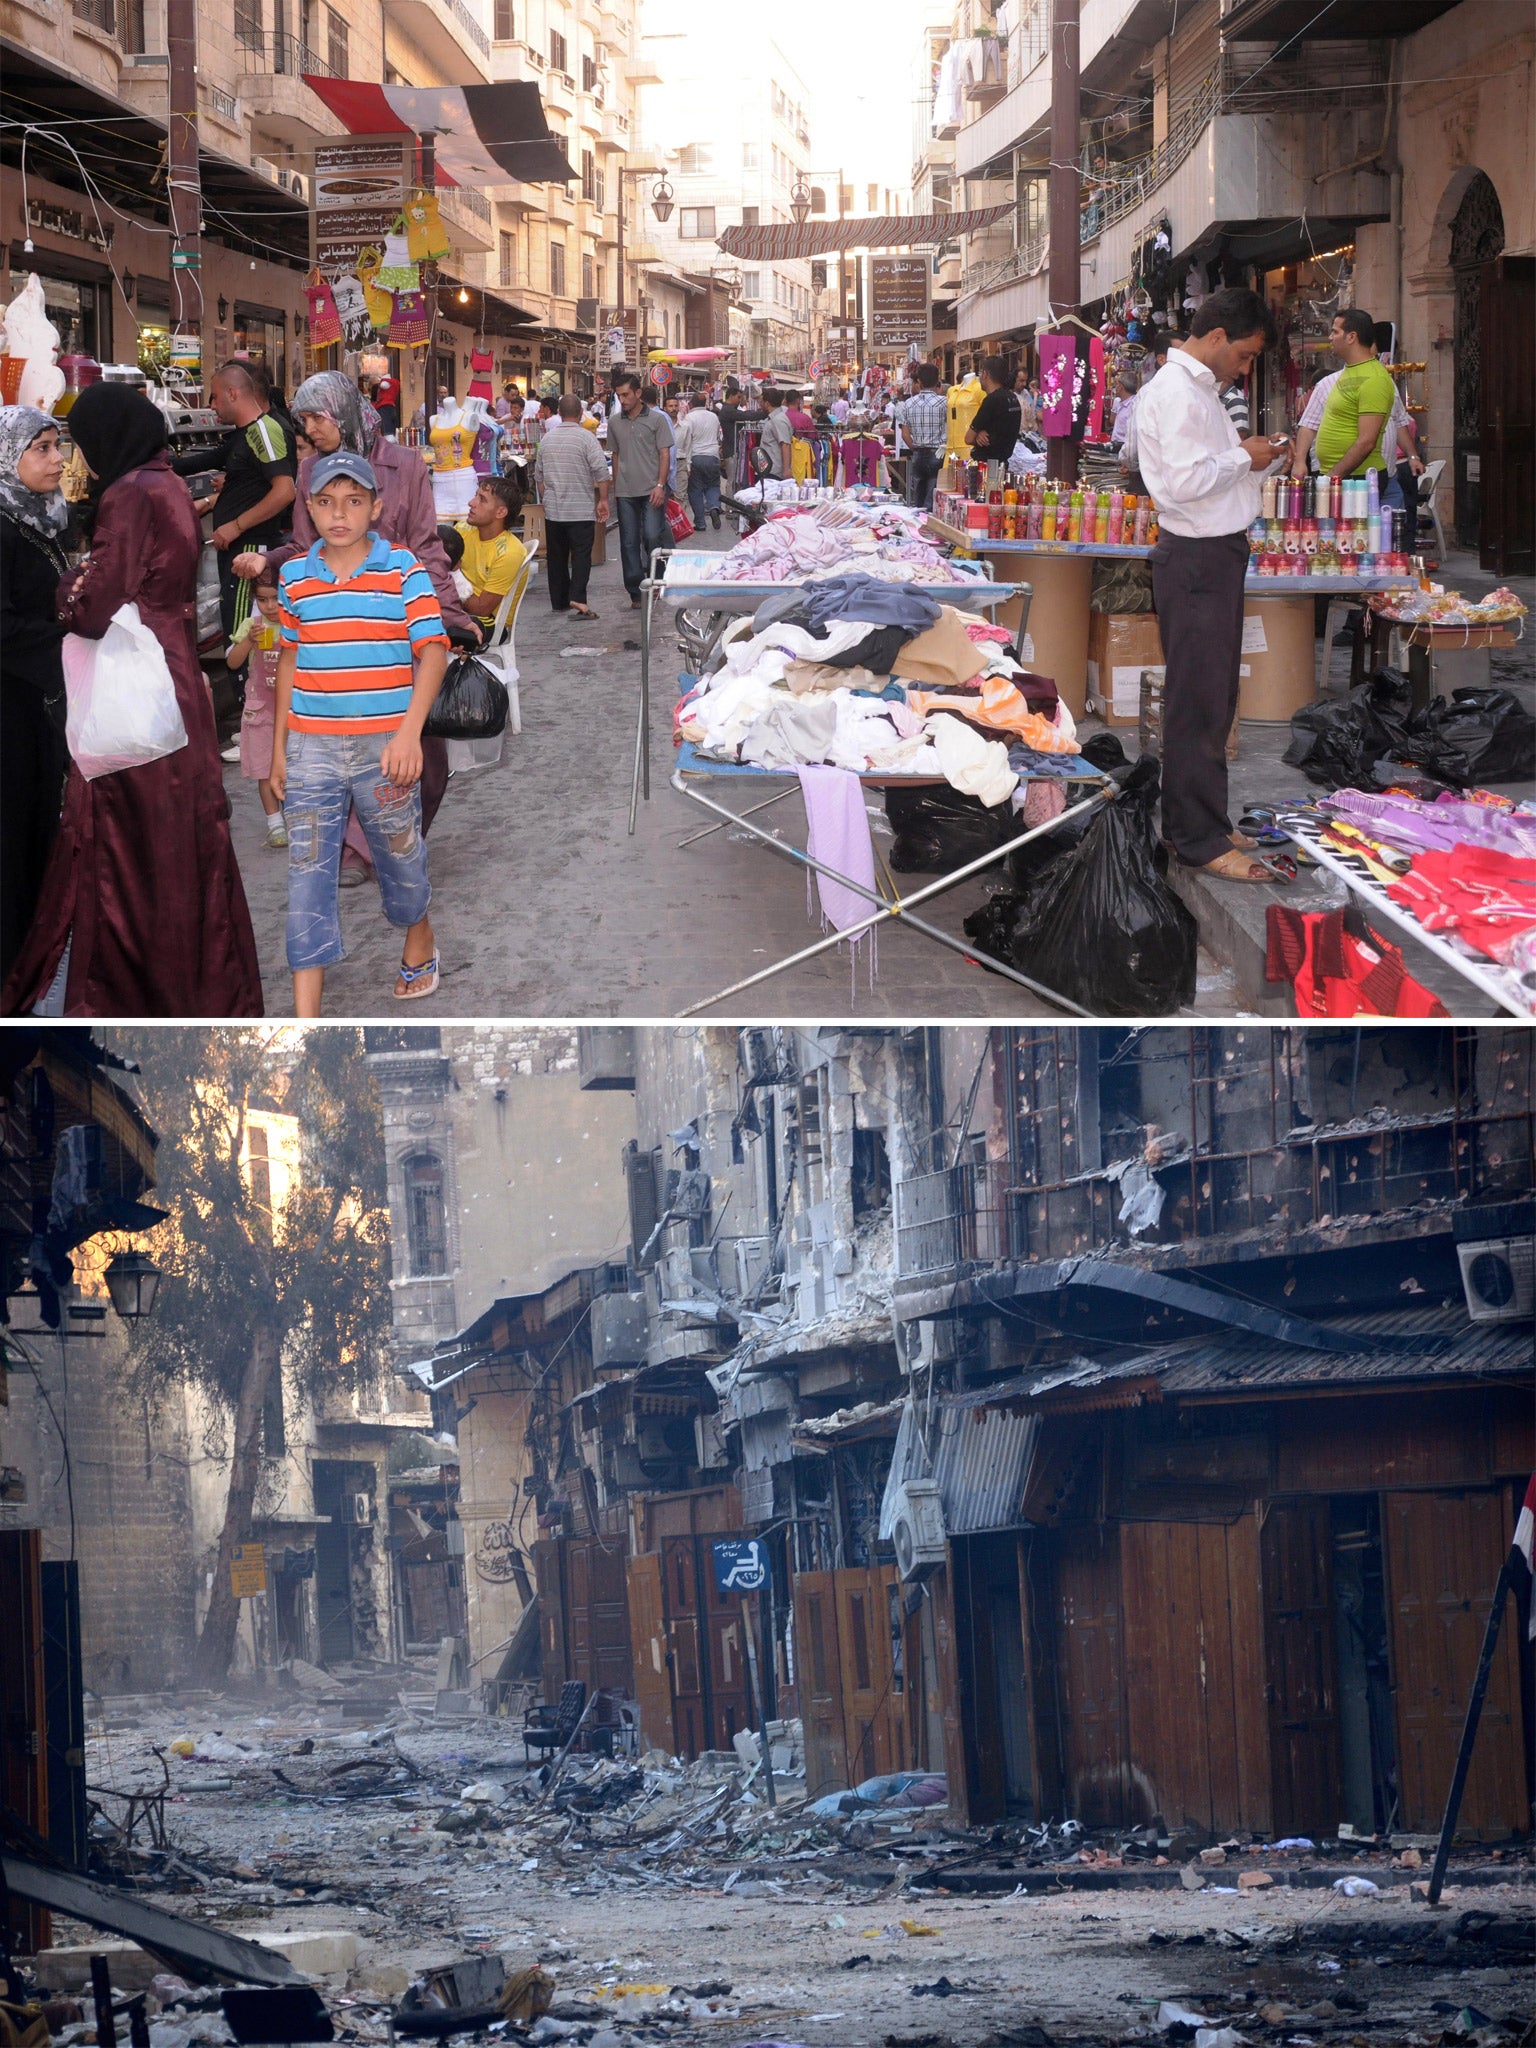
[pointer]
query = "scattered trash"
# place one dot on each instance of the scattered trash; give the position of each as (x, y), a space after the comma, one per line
(1171, 2015)
(1356, 1887)
(942, 1988)
(917, 1927)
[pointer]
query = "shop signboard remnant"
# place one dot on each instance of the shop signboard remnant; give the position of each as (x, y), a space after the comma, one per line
(742, 1566)
(248, 1571)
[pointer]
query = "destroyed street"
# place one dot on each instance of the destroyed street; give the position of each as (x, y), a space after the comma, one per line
(770, 1538)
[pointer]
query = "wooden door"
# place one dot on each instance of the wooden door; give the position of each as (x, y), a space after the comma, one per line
(818, 1676)
(1193, 1627)
(690, 1672)
(549, 1578)
(725, 1617)
(648, 1642)
(1092, 1681)
(1507, 423)
(1444, 1553)
(873, 1721)
(1302, 1685)
(612, 1663)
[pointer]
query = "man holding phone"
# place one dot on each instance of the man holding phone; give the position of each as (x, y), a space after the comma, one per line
(1205, 484)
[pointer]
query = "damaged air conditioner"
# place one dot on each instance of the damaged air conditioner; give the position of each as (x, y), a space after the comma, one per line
(918, 1528)
(357, 1509)
(1496, 1249)
(1498, 1275)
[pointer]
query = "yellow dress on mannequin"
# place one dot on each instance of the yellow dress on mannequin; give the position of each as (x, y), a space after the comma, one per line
(964, 404)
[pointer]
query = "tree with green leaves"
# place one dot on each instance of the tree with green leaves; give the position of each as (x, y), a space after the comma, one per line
(254, 1286)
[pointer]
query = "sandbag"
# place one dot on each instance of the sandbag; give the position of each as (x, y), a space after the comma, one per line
(1102, 926)
(939, 829)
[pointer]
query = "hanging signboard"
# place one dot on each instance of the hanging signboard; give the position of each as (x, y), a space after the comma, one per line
(900, 292)
(248, 1571)
(741, 1567)
(356, 193)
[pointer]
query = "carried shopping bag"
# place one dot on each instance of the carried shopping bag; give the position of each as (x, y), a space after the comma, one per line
(122, 700)
(472, 704)
(678, 519)
(208, 613)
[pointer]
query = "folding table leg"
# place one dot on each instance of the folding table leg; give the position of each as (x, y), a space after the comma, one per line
(886, 911)
(694, 837)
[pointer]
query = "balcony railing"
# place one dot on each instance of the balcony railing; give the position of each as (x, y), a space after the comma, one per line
(471, 201)
(468, 27)
(284, 56)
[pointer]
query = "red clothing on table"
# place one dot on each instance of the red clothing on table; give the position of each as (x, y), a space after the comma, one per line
(1486, 897)
(142, 881)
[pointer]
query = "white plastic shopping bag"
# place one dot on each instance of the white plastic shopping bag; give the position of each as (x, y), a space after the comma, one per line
(122, 701)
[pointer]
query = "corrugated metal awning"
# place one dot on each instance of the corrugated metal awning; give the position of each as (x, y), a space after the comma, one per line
(979, 1455)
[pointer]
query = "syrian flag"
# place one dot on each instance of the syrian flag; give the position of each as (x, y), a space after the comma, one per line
(1522, 1563)
(483, 134)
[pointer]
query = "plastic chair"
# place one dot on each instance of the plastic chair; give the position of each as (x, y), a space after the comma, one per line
(1429, 485)
(500, 648)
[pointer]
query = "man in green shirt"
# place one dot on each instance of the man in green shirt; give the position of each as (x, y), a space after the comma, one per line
(1349, 439)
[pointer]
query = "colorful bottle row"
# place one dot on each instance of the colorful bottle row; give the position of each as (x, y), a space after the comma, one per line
(1321, 497)
(1076, 513)
(1381, 531)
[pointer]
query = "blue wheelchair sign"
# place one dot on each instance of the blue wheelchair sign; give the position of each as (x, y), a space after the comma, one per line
(741, 1567)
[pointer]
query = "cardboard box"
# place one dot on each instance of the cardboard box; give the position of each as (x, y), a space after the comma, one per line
(1277, 673)
(1120, 646)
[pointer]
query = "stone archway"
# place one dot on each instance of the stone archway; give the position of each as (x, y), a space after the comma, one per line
(1476, 236)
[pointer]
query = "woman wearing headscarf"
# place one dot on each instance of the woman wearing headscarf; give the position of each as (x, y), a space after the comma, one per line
(332, 413)
(142, 913)
(34, 760)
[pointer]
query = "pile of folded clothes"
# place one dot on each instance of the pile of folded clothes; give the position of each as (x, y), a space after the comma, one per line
(857, 673)
(828, 538)
(1464, 867)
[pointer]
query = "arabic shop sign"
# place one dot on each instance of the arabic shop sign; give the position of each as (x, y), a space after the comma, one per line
(63, 220)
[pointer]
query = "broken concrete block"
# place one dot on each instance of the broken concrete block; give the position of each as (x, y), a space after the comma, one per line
(1410, 1859)
(1191, 1878)
(1213, 1855)
(1253, 1880)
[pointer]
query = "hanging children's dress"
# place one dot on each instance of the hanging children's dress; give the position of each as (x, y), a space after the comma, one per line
(480, 374)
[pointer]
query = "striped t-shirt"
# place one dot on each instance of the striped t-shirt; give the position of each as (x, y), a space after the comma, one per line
(355, 639)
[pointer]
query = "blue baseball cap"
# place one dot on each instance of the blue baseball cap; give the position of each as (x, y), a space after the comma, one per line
(342, 463)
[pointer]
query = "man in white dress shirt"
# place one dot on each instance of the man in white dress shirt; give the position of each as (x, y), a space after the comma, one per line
(1204, 481)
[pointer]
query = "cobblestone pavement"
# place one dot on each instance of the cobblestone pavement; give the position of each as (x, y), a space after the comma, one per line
(544, 905)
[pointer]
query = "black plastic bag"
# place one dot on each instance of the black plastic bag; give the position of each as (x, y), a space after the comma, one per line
(939, 829)
(471, 705)
(1334, 743)
(1102, 926)
(1028, 861)
(1475, 736)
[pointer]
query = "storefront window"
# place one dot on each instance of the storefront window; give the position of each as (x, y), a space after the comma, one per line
(154, 340)
(259, 334)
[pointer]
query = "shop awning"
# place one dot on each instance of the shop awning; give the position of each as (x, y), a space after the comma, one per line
(484, 311)
(121, 149)
(1294, 21)
(783, 242)
(484, 134)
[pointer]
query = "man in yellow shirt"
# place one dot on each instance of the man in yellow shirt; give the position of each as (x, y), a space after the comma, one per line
(1349, 439)
(492, 554)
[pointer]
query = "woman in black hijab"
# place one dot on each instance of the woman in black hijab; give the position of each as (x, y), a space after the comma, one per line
(142, 911)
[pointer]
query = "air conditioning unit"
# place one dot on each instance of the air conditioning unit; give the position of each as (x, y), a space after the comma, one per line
(1498, 1275)
(918, 1531)
(752, 1255)
(357, 1508)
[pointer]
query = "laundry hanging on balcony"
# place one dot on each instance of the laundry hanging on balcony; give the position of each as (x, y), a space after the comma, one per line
(783, 242)
(483, 134)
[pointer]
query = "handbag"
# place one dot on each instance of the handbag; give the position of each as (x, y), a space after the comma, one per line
(472, 704)
(678, 520)
(208, 610)
(122, 699)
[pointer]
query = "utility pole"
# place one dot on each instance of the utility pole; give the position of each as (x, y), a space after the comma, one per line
(183, 173)
(428, 149)
(1066, 274)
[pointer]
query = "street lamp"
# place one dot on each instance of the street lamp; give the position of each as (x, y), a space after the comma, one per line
(661, 198)
(800, 200)
(133, 1280)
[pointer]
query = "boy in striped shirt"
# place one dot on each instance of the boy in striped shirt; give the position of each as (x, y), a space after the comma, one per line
(363, 656)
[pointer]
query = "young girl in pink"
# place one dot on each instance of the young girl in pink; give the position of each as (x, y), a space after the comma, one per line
(257, 643)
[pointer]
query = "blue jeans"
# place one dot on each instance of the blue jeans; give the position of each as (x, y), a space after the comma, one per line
(642, 529)
(704, 487)
(922, 474)
(330, 775)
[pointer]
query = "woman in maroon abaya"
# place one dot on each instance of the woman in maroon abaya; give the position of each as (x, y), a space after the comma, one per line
(142, 913)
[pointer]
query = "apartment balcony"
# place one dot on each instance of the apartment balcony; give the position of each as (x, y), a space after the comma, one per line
(466, 215)
(1019, 118)
(273, 92)
(987, 85)
(448, 35)
(613, 135)
(641, 69)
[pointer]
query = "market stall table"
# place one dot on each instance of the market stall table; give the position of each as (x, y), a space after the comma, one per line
(686, 580)
(1502, 984)
(694, 768)
(1277, 609)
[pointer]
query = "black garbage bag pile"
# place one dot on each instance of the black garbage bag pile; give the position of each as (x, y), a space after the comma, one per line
(939, 829)
(1475, 736)
(1101, 925)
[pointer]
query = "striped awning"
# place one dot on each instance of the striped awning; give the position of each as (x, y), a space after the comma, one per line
(783, 242)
